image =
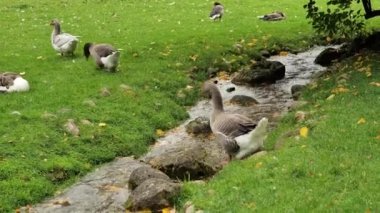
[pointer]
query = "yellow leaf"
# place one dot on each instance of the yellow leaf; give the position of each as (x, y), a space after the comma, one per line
(160, 133)
(223, 75)
(259, 165)
(102, 124)
(376, 84)
(332, 96)
(304, 131)
(328, 39)
(378, 137)
(22, 73)
(166, 210)
(368, 74)
(193, 57)
(283, 53)
(361, 121)
(340, 90)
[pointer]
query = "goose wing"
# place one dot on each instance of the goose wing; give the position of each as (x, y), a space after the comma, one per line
(64, 39)
(103, 50)
(233, 125)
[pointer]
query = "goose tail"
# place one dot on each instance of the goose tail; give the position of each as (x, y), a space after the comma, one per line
(19, 85)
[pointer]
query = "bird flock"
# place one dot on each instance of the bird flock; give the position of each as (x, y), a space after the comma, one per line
(238, 134)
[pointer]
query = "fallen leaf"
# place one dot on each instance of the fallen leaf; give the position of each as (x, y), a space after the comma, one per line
(283, 53)
(223, 75)
(193, 57)
(332, 96)
(166, 210)
(361, 121)
(102, 124)
(22, 73)
(160, 133)
(259, 165)
(376, 84)
(62, 202)
(304, 131)
(340, 90)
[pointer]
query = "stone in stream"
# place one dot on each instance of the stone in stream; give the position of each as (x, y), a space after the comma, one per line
(153, 194)
(243, 100)
(296, 91)
(327, 56)
(200, 125)
(192, 159)
(144, 173)
(262, 72)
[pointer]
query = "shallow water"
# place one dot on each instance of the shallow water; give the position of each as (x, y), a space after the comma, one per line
(273, 99)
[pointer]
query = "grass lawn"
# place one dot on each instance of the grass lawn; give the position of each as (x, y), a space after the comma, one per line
(161, 40)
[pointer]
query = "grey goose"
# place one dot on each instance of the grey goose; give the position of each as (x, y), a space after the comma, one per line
(64, 43)
(105, 55)
(238, 134)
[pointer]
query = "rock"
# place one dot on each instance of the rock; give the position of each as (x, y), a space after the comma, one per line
(189, 160)
(230, 89)
(141, 174)
(243, 100)
(200, 125)
(154, 194)
(89, 103)
(103, 190)
(72, 128)
(296, 91)
(328, 55)
(105, 92)
(262, 72)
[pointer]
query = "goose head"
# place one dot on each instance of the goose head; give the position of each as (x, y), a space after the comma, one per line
(57, 25)
(217, 3)
(86, 50)
(210, 90)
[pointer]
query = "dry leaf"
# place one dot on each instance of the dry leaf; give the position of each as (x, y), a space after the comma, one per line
(223, 75)
(332, 96)
(283, 53)
(361, 121)
(259, 165)
(102, 124)
(304, 131)
(340, 90)
(376, 84)
(160, 133)
(193, 57)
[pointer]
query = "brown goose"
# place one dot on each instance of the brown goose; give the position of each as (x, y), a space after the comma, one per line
(217, 11)
(12, 82)
(63, 43)
(236, 132)
(105, 55)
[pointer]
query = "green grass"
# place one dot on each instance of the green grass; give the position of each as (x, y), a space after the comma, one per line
(37, 156)
(334, 169)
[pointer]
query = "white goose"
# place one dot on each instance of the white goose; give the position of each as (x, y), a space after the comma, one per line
(238, 134)
(217, 11)
(63, 43)
(105, 55)
(12, 82)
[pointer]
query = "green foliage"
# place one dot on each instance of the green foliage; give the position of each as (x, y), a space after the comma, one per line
(338, 20)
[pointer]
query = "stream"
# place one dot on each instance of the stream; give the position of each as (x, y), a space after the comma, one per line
(274, 99)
